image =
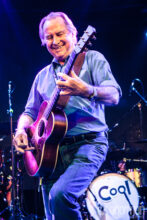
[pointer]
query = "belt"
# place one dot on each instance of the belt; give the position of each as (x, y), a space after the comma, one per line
(77, 138)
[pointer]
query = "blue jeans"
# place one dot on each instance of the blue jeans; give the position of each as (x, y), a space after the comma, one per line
(79, 164)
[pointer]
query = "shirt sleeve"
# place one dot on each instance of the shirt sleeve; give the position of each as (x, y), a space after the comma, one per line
(101, 72)
(34, 101)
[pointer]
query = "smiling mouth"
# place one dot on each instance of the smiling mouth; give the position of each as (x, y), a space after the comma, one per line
(57, 48)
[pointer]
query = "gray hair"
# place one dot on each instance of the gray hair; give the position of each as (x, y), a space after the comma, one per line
(69, 24)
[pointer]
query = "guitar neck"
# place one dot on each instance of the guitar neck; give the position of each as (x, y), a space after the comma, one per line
(70, 62)
(52, 102)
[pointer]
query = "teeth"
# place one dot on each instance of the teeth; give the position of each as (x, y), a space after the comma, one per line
(57, 48)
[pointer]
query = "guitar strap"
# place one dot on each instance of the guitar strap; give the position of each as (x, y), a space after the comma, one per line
(63, 100)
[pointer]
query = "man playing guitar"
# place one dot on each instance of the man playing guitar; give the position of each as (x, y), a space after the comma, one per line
(79, 125)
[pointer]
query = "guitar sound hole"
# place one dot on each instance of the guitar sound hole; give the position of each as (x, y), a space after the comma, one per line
(41, 128)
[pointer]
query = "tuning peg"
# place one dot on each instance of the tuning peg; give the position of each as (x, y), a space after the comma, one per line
(79, 45)
(94, 37)
(89, 44)
(83, 39)
(85, 49)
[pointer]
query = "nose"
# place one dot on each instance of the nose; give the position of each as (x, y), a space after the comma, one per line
(55, 40)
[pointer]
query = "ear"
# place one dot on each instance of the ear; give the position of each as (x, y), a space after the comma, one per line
(74, 38)
(43, 42)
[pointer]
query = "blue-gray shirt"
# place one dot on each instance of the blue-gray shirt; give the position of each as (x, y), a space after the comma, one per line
(83, 115)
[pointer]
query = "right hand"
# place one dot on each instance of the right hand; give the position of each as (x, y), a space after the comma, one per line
(20, 141)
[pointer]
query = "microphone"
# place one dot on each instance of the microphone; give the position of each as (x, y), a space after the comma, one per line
(132, 85)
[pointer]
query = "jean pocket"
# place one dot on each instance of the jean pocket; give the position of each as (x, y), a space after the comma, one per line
(68, 154)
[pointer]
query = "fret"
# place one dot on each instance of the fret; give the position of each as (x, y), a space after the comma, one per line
(70, 62)
(52, 102)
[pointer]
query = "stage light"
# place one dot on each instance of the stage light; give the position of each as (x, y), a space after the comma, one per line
(146, 34)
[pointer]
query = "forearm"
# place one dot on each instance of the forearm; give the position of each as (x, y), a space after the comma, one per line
(23, 122)
(107, 95)
(20, 139)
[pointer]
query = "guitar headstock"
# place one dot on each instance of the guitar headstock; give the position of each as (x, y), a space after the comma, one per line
(85, 39)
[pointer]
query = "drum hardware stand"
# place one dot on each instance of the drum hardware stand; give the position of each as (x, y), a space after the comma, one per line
(15, 205)
(3, 191)
(83, 208)
(18, 181)
(4, 182)
(131, 213)
(141, 210)
(101, 208)
(133, 89)
(7, 208)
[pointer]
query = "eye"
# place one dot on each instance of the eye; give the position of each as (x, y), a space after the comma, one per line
(60, 33)
(48, 37)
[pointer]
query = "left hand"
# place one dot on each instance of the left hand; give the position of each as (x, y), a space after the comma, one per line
(73, 85)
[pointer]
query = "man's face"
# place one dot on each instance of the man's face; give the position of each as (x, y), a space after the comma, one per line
(59, 41)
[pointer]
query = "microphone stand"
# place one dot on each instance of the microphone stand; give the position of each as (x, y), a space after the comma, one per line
(10, 112)
(140, 110)
(15, 206)
(135, 90)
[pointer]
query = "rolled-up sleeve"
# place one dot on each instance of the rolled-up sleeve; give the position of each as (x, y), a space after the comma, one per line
(34, 101)
(101, 71)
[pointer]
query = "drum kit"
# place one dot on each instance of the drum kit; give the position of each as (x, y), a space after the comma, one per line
(119, 191)
(7, 181)
(114, 196)
(5, 186)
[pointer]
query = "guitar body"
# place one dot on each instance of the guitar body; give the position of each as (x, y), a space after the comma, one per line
(45, 136)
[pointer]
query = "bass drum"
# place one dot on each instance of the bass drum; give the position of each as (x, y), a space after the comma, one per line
(112, 197)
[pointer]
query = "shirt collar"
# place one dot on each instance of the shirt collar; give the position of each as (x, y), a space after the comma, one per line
(56, 63)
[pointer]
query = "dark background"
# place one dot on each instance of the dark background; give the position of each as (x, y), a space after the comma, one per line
(121, 26)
